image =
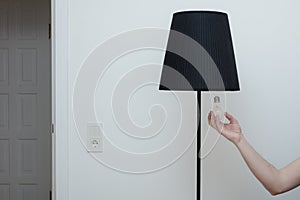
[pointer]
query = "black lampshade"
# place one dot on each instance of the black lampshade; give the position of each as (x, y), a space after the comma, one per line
(200, 49)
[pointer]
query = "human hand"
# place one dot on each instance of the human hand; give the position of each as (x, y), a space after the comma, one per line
(232, 130)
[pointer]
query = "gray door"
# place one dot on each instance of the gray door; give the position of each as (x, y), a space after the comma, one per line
(25, 110)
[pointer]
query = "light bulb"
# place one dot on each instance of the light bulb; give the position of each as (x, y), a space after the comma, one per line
(217, 108)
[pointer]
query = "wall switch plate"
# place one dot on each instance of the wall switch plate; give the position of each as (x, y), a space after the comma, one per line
(94, 137)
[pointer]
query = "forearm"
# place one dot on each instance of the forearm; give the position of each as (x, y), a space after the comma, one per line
(266, 173)
(274, 180)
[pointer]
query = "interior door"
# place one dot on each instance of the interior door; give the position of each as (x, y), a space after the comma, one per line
(25, 109)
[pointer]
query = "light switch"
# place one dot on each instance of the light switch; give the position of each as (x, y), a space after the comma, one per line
(94, 137)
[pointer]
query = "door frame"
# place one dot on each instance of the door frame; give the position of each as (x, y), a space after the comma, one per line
(60, 98)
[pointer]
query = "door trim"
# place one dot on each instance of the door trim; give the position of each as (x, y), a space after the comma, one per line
(60, 98)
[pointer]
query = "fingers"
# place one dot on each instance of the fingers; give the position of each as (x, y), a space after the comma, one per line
(212, 120)
(215, 122)
(231, 118)
(209, 118)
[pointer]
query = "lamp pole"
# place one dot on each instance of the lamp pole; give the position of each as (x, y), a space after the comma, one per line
(198, 142)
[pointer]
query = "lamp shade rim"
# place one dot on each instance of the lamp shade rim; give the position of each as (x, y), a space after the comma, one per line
(200, 11)
(233, 89)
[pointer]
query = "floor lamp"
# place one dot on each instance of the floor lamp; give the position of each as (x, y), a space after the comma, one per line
(199, 57)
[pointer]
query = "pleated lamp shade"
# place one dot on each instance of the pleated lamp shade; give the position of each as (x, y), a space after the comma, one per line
(212, 68)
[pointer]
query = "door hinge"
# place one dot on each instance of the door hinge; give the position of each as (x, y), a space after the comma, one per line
(49, 31)
(52, 128)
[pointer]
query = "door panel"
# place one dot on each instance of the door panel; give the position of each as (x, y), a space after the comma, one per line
(25, 107)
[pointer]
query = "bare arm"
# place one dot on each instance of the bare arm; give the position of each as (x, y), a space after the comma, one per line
(274, 180)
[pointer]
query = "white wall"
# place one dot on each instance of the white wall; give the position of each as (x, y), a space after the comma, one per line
(93, 23)
(266, 38)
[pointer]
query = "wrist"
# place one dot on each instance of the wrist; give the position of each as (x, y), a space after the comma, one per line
(239, 140)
